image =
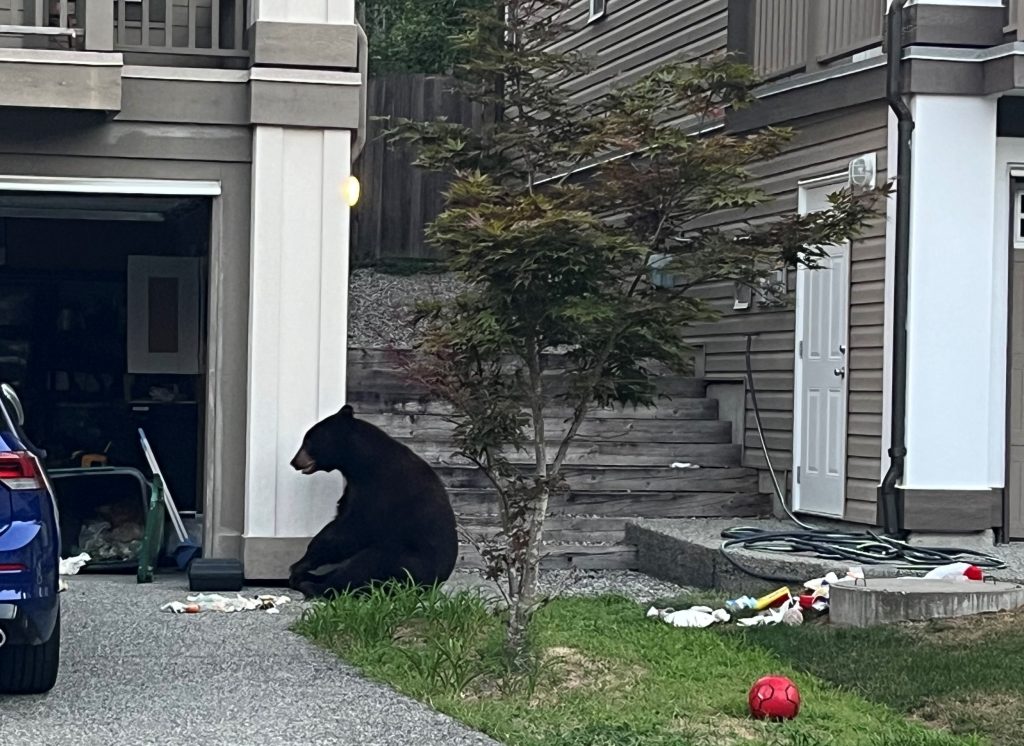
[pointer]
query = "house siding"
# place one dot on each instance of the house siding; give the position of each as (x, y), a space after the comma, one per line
(823, 145)
(638, 36)
(150, 141)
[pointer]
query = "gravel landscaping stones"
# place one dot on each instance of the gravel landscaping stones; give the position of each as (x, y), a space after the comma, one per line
(381, 305)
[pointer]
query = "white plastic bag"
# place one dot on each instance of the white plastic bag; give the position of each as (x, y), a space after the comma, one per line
(694, 617)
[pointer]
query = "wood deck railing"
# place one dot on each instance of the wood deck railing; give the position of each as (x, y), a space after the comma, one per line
(1014, 19)
(783, 37)
(39, 17)
(202, 28)
(182, 27)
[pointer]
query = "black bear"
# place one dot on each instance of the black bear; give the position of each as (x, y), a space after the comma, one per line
(394, 518)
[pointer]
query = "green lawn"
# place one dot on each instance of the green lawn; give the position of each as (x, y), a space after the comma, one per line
(967, 675)
(610, 676)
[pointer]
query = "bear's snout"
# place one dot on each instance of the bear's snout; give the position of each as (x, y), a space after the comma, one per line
(304, 462)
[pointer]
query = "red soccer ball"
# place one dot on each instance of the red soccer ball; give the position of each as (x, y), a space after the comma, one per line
(774, 698)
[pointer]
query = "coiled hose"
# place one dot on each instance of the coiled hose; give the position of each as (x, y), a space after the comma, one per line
(859, 548)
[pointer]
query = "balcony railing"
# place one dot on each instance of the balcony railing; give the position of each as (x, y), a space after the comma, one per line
(39, 18)
(1014, 18)
(184, 28)
(783, 37)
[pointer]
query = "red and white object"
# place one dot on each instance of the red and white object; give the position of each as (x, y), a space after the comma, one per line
(959, 571)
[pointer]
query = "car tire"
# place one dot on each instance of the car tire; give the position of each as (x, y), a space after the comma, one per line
(30, 669)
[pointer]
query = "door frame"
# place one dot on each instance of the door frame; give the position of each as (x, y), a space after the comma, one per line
(1011, 488)
(212, 338)
(839, 179)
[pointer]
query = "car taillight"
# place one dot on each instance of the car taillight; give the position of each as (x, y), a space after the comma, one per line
(12, 568)
(19, 471)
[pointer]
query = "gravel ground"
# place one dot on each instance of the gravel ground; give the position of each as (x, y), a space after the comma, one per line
(568, 583)
(132, 674)
(633, 585)
(380, 305)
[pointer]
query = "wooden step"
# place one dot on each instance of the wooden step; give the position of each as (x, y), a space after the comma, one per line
(586, 478)
(568, 556)
(437, 428)
(602, 454)
(395, 358)
(624, 505)
(682, 408)
(584, 530)
(370, 380)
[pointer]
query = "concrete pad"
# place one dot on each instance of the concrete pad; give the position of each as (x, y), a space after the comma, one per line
(979, 541)
(688, 552)
(890, 601)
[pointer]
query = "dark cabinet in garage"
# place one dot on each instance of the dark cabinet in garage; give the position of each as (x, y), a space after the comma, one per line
(173, 432)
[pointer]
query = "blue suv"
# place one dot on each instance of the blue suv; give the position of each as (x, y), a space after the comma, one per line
(29, 560)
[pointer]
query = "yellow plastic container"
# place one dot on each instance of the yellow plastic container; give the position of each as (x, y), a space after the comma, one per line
(772, 598)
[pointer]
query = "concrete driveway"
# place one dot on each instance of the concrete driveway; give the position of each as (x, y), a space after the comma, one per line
(131, 674)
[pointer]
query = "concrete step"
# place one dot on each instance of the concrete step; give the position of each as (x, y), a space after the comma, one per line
(438, 428)
(899, 600)
(688, 552)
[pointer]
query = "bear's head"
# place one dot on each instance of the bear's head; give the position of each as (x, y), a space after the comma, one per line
(329, 445)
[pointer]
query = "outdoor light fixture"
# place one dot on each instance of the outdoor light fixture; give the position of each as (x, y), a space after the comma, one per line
(350, 191)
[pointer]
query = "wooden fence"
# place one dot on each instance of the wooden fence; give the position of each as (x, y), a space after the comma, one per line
(399, 200)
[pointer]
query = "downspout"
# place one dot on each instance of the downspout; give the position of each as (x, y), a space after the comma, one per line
(889, 499)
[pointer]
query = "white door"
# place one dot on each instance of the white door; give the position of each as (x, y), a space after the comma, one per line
(820, 396)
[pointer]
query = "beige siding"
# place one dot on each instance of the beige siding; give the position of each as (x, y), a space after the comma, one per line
(637, 36)
(824, 145)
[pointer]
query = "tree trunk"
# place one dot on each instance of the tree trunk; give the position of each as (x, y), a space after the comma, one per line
(523, 603)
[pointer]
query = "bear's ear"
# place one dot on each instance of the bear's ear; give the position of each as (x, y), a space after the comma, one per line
(346, 411)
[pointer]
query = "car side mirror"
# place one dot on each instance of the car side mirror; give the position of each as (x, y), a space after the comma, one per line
(12, 396)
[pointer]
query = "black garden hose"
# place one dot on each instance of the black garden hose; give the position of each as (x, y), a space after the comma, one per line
(857, 548)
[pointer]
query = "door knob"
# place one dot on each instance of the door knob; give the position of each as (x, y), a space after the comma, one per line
(841, 372)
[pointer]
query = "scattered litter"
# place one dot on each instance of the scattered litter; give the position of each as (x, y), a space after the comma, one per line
(215, 602)
(686, 465)
(789, 613)
(759, 604)
(695, 616)
(72, 565)
(959, 571)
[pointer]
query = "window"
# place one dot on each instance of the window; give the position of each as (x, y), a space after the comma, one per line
(743, 294)
(598, 10)
(770, 292)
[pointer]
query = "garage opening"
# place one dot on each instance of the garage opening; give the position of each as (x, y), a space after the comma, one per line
(102, 332)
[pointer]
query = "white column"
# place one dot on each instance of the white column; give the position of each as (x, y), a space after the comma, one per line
(954, 420)
(298, 322)
(304, 11)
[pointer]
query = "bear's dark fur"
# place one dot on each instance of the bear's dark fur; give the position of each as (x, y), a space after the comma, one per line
(394, 517)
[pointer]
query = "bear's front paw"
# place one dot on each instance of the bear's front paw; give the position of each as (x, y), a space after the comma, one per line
(309, 589)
